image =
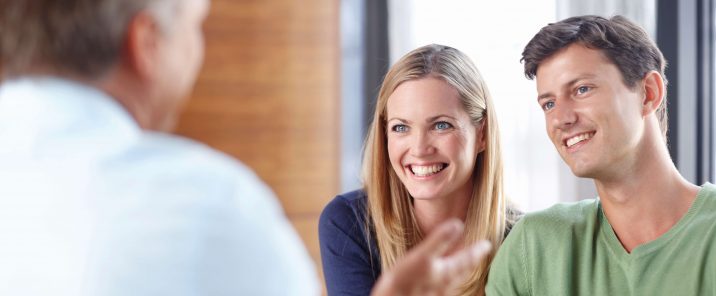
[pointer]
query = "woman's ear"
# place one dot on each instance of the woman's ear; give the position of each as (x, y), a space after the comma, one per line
(653, 92)
(480, 141)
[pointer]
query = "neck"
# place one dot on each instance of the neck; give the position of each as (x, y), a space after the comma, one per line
(137, 98)
(646, 199)
(430, 213)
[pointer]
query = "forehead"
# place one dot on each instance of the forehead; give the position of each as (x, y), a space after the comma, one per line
(574, 62)
(424, 97)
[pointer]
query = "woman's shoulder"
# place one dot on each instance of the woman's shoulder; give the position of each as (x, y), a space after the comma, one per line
(354, 197)
(351, 200)
(348, 208)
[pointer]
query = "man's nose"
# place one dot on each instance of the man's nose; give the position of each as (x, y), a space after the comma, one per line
(563, 116)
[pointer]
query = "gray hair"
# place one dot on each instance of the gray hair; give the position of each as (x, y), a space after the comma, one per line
(78, 37)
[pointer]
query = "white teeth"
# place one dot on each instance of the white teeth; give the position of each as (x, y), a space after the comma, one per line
(427, 170)
(576, 139)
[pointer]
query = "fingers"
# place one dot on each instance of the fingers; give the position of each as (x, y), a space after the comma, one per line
(414, 272)
(445, 236)
(426, 268)
(462, 263)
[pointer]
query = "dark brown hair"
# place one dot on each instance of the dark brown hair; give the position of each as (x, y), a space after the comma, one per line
(77, 37)
(622, 42)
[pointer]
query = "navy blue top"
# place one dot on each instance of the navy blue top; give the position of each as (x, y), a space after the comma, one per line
(349, 267)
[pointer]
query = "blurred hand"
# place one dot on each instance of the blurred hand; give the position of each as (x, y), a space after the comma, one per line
(426, 270)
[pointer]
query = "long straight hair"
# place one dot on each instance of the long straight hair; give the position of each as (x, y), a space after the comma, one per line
(390, 209)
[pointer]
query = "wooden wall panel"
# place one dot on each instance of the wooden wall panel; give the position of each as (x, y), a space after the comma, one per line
(269, 95)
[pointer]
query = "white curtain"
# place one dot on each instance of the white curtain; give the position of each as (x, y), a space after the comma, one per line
(642, 12)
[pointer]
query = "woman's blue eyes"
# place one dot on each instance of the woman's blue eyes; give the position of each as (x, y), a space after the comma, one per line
(401, 128)
(442, 125)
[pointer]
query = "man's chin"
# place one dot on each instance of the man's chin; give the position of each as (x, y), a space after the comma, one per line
(582, 170)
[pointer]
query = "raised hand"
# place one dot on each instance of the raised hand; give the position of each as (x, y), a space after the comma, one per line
(426, 270)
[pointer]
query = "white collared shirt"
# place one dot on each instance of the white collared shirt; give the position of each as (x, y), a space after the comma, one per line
(90, 204)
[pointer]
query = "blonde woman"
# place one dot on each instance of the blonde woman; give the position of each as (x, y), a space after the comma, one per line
(432, 154)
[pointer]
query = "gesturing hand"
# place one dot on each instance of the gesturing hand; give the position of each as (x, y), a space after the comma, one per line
(426, 270)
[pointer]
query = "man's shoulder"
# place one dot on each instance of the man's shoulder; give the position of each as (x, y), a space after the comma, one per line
(171, 172)
(565, 213)
(173, 164)
(172, 147)
(708, 190)
(705, 206)
(180, 155)
(541, 242)
(203, 207)
(558, 220)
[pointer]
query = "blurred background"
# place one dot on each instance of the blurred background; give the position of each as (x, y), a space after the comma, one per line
(288, 87)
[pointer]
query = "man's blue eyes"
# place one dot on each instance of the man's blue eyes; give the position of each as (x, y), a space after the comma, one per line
(583, 89)
(580, 91)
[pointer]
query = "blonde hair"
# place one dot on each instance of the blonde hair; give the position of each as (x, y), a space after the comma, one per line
(390, 210)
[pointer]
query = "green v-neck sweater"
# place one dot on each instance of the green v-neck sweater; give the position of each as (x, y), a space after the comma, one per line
(571, 249)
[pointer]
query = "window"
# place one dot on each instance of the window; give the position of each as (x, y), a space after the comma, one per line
(493, 34)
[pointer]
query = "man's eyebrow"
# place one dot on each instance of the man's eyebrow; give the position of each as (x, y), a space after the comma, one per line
(579, 78)
(568, 84)
(544, 96)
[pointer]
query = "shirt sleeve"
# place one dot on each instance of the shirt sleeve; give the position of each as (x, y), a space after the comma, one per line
(508, 271)
(347, 264)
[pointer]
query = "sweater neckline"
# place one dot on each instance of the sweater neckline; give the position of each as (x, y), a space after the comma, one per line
(616, 246)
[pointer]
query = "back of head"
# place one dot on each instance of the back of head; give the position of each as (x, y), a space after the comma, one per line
(80, 38)
(622, 42)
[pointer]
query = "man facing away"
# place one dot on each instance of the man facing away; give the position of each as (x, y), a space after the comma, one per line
(94, 200)
(95, 197)
(601, 85)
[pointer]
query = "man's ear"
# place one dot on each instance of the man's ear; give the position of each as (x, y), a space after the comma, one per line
(141, 48)
(653, 92)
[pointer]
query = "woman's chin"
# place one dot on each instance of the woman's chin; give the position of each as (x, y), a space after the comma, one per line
(424, 195)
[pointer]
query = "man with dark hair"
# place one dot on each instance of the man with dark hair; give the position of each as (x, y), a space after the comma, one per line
(601, 85)
(95, 197)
